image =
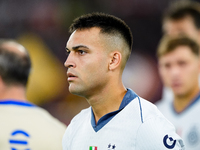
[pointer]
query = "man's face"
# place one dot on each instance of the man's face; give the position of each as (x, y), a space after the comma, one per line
(184, 26)
(179, 70)
(87, 62)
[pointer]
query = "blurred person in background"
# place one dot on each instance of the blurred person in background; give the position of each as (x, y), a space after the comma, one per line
(23, 125)
(181, 18)
(98, 49)
(179, 68)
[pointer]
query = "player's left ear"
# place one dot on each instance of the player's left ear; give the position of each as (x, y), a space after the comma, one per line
(115, 60)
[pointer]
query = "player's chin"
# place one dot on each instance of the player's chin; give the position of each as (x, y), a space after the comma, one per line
(74, 89)
(179, 93)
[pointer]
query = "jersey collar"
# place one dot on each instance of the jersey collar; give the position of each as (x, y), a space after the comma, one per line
(129, 96)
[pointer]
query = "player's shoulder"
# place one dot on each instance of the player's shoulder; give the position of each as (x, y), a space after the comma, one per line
(152, 116)
(144, 108)
(148, 109)
(158, 133)
(156, 129)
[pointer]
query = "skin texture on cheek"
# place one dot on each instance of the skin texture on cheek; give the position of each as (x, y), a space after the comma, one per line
(91, 67)
(91, 70)
(91, 79)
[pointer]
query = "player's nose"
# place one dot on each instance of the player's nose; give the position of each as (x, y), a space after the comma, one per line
(69, 62)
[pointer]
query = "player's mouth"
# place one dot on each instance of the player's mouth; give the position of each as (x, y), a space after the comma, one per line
(176, 85)
(71, 77)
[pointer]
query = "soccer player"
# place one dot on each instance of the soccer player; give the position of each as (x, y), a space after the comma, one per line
(23, 125)
(98, 49)
(179, 67)
(181, 18)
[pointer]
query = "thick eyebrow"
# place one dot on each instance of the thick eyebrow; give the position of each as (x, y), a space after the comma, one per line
(77, 47)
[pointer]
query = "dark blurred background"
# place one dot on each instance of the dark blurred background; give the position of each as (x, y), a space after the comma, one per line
(42, 27)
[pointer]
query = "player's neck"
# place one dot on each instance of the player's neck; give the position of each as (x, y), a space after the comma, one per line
(13, 92)
(107, 101)
(181, 102)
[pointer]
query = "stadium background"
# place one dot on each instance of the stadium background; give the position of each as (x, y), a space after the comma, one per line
(42, 27)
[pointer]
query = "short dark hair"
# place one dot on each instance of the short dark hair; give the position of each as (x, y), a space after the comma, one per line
(182, 8)
(14, 68)
(168, 44)
(107, 23)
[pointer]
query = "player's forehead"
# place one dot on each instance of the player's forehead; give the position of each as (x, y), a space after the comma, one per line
(179, 53)
(89, 37)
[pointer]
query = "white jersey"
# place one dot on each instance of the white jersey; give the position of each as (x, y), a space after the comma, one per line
(137, 126)
(24, 126)
(187, 122)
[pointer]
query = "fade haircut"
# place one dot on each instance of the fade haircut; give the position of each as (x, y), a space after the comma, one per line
(14, 68)
(108, 24)
(182, 8)
(168, 44)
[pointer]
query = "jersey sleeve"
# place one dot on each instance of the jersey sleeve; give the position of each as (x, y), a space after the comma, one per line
(158, 133)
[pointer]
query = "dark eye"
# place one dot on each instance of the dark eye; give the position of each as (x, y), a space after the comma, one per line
(81, 52)
(167, 65)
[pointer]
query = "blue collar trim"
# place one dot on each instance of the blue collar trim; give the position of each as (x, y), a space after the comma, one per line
(129, 96)
(13, 102)
(194, 101)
